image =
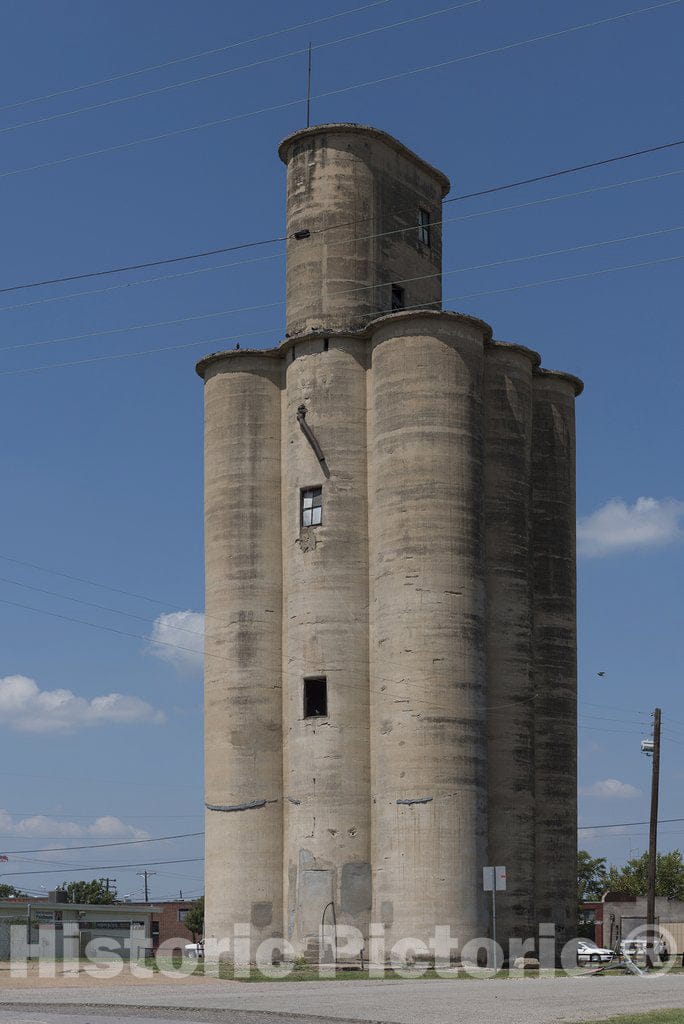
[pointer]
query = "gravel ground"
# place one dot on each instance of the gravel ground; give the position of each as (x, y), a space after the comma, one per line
(524, 1001)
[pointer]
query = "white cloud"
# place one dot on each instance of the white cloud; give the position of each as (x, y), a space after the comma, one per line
(27, 708)
(617, 526)
(611, 789)
(178, 637)
(41, 825)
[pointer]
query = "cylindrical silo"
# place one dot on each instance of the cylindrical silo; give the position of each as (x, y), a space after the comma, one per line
(364, 227)
(427, 615)
(243, 708)
(510, 690)
(325, 628)
(554, 648)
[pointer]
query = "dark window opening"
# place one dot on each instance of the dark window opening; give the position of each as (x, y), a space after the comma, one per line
(316, 697)
(326, 344)
(312, 506)
(398, 297)
(424, 226)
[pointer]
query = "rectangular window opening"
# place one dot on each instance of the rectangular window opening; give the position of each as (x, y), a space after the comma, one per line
(316, 697)
(398, 297)
(312, 506)
(424, 226)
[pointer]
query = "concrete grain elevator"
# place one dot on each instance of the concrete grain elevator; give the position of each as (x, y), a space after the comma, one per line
(390, 679)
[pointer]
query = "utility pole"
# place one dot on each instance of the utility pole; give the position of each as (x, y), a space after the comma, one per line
(146, 874)
(108, 880)
(653, 841)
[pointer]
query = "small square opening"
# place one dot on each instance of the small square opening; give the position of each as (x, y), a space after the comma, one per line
(315, 697)
(398, 297)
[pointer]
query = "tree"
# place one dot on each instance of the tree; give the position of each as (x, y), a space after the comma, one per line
(194, 919)
(632, 878)
(8, 890)
(88, 892)
(591, 877)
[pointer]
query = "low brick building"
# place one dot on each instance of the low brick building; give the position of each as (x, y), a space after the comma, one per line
(168, 922)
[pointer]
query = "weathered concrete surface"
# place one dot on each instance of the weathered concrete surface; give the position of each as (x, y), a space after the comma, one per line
(325, 633)
(510, 693)
(524, 1001)
(428, 731)
(350, 185)
(555, 650)
(437, 597)
(243, 735)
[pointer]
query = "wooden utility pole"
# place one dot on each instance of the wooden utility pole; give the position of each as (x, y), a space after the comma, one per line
(653, 841)
(146, 874)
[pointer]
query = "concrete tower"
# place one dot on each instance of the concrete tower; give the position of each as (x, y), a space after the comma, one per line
(390, 650)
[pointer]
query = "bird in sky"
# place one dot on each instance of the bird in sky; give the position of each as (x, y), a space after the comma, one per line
(600, 674)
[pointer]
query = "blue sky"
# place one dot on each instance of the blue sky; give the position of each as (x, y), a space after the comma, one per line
(101, 461)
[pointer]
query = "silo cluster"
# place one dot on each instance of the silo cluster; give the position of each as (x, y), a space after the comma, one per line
(390, 587)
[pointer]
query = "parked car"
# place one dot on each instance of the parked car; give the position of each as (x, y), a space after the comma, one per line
(633, 947)
(194, 950)
(589, 952)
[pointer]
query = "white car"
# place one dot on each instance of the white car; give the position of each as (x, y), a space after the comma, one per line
(194, 950)
(589, 952)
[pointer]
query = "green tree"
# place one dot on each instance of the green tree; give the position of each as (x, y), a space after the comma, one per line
(8, 890)
(632, 878)
(592, 877)
(194, 919)
(94, 891)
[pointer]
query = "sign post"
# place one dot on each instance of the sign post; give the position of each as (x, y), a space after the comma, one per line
(494, 880)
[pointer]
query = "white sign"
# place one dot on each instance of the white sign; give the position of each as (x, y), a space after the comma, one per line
(494, 879)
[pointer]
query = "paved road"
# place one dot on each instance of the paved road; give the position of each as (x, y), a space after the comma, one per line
(528, 1001)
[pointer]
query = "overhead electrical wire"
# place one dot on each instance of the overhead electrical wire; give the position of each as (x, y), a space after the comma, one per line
(165, 261)
(81, 579)
(102, 846)
(241, 67)
(101, 867)
(268, 329)
(288, 104)
(359, 238)
(192, 56)
(628, 824)
(100, 607)
(193, 318)
(108, 629)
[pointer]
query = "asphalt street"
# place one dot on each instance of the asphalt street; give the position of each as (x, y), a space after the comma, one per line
(521, 1001)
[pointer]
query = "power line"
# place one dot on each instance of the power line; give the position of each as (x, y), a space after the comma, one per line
(381, 234)
(165, 261)
(102, 846)
(629, 824)
(267, 329)
(234, 70)
(143, 266)
(568, 170)
(81, 579)
(192, 56)
(272, 108)
(345, 291)
(108, 629)
(100, 867)
(102, 607)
